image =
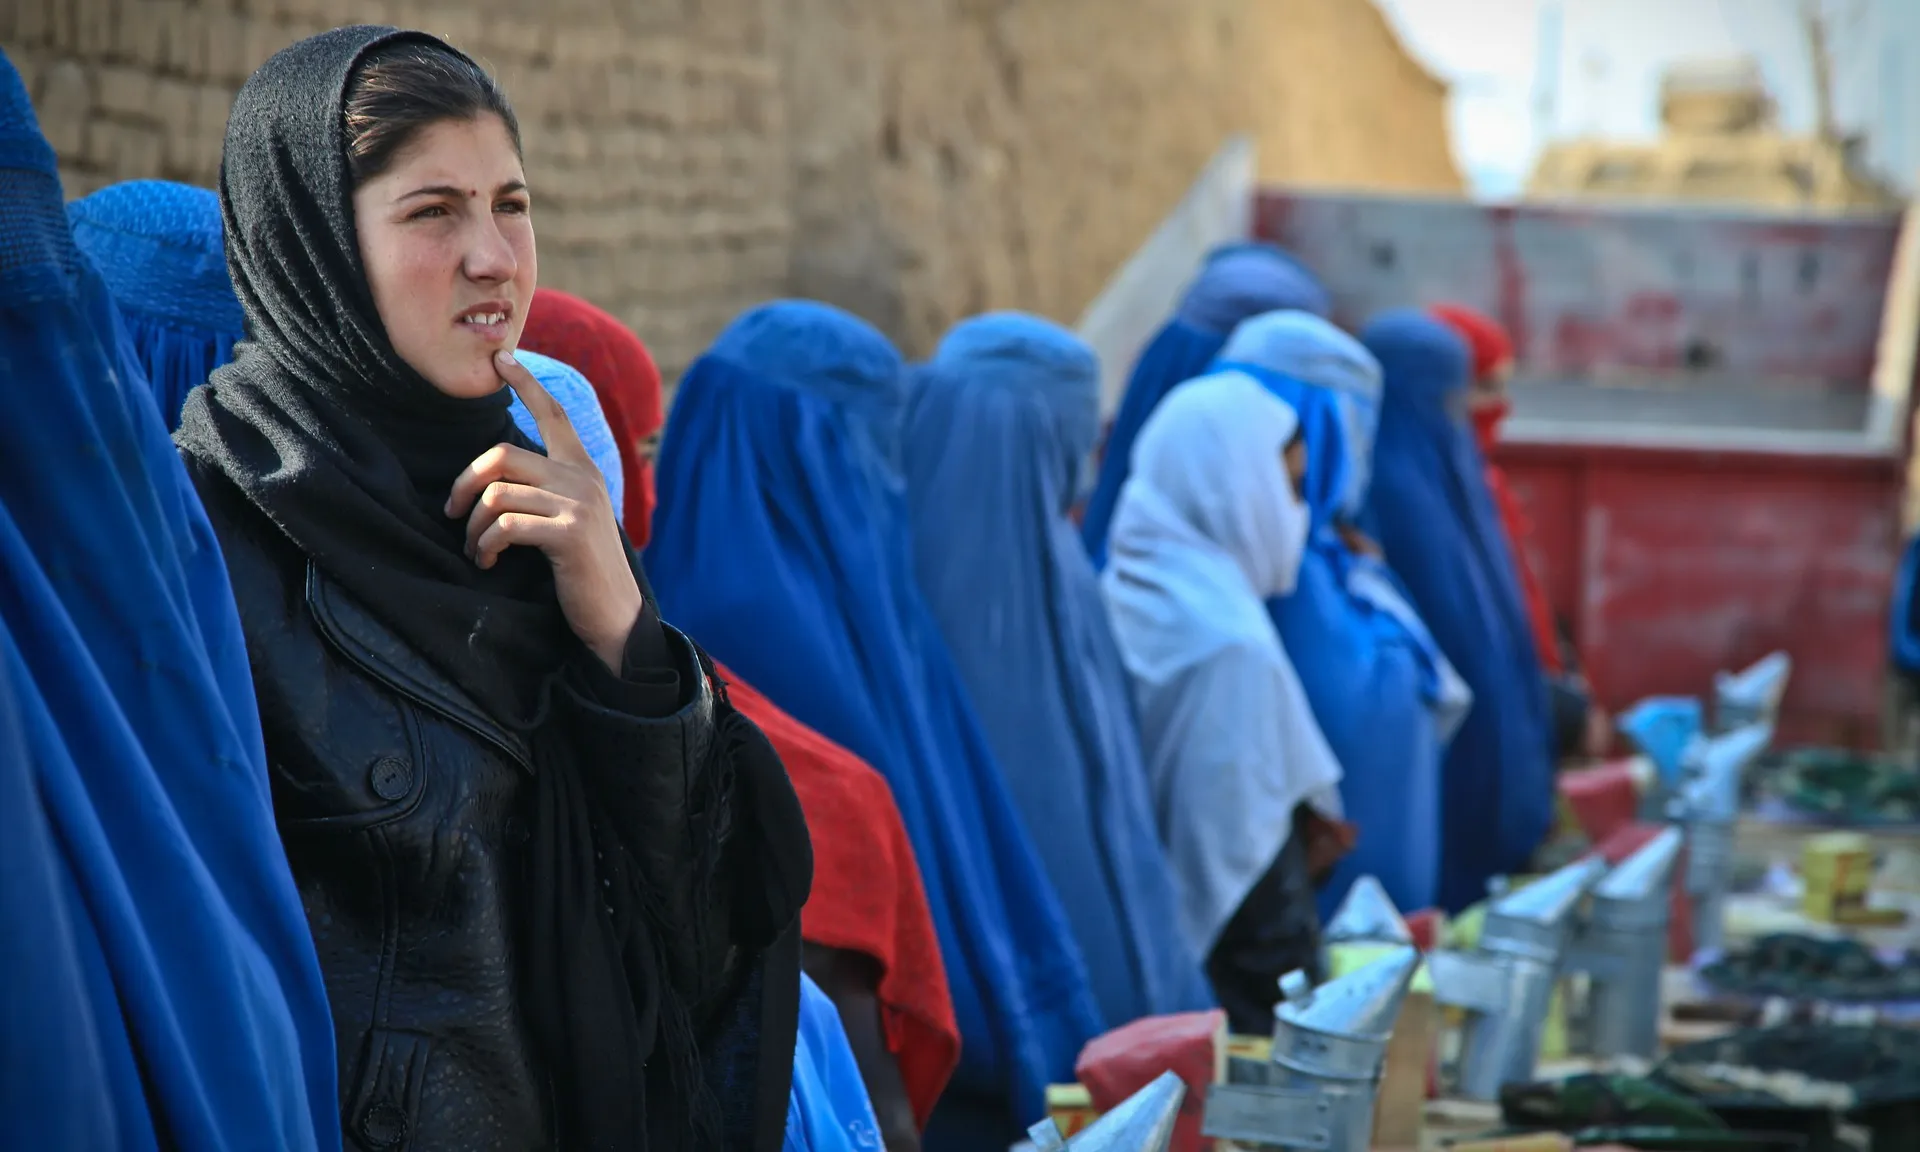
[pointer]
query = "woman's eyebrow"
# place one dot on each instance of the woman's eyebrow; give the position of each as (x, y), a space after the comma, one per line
(511, 186)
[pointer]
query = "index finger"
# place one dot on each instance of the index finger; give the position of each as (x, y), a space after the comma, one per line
(556, 428)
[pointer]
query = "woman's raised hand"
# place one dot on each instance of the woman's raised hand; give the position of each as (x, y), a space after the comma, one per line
(557, 503)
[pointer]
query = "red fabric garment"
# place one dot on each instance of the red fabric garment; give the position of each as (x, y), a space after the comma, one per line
(624, 378)
(867, 893)
(1492, 349)
(1485, 337)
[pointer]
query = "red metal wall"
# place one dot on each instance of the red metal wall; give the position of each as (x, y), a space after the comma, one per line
(1587, 290)
(1668, 563)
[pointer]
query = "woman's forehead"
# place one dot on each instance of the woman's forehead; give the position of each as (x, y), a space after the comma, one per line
(474, 156)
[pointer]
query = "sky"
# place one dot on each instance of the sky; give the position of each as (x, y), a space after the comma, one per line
(1525, 71)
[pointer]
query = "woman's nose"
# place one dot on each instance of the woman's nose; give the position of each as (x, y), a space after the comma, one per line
(490, 258)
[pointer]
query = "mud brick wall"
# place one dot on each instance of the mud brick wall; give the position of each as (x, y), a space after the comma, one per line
(956, 155)
(653, 131)
(914, 160)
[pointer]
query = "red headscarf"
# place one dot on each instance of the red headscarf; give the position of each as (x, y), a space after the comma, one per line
(1491, 348)
(867, 893)
(1486, 339)
(625, 379)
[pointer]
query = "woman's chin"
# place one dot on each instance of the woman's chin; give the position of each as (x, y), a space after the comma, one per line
(476, 382)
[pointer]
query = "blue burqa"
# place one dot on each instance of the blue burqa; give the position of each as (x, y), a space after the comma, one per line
(828, 1109)
(1430, 509)
(1373, 676)
(158, 245)
(161, 989)
(781, 544)
(997, 429)
(1237, 281)
(1904, 619)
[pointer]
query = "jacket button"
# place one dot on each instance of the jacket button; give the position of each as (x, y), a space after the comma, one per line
(392, 778)
(384, 1125)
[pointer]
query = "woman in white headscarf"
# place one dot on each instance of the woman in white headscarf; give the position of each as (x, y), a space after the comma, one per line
(1209, 526)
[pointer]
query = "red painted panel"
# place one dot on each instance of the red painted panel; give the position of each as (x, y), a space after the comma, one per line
(1671, 564)
(1597, 290)
(1667, 563)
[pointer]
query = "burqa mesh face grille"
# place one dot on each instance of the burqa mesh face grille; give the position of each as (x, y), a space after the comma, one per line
(37, 258)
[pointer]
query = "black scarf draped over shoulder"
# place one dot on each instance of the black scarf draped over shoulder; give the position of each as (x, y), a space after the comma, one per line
(346, 449)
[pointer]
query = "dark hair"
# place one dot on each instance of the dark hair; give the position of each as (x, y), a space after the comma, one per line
(403, 88)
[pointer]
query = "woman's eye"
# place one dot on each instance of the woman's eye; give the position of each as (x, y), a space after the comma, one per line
(431, 211)
(515, 207)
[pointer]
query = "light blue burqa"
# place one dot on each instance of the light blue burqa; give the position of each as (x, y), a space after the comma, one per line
(998, 426)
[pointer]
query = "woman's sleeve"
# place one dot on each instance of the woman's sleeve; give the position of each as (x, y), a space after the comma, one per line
(650, 684)
(704, 808)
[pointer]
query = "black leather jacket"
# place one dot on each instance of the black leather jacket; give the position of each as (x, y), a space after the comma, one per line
(403, 808)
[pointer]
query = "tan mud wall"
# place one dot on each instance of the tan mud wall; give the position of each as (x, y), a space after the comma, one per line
(915, 160)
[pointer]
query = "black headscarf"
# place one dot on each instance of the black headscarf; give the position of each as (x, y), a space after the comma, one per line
(340, 442)
(351, 453)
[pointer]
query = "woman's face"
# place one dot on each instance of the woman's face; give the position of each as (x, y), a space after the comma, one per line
(446, 237)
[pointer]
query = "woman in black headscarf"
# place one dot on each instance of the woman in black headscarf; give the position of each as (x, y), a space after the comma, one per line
(553, 877)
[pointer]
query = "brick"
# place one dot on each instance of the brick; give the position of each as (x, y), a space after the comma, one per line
(77, 180)
(174, 105)
(228, 48)
(263, 37)
(124, 90)
(94, 24)
(212, 103)
(525, 40)
(32, 22)
(65, 105)
(304, 11)
(460, 25)
(126, 151)
(63, 29)
(186, 41)
(138, 37)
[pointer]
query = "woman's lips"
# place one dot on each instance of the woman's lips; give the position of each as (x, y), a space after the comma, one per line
(489, 325)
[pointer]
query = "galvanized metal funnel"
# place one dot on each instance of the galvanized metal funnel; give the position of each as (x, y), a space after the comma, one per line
(1143, 1122)
(1708, 805)
(1624, 949)
(1750, 695)
(1711, 792)
(1535, 920)
(1367, 916)
(1329, 1049)
(1360, 1006)
(1505, 985)
(1642, 879)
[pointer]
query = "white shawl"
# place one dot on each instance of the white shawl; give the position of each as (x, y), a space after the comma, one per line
(1207, 528)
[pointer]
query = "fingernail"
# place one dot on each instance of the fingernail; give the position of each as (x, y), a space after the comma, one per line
(505, 356)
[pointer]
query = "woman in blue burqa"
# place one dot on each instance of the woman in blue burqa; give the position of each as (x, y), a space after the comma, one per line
(782, 542)
(1236, 281)
(1210, 526)
(159, 986)
(1430, 509)
(159, 247)
(1385, 696)
(1000, 423)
